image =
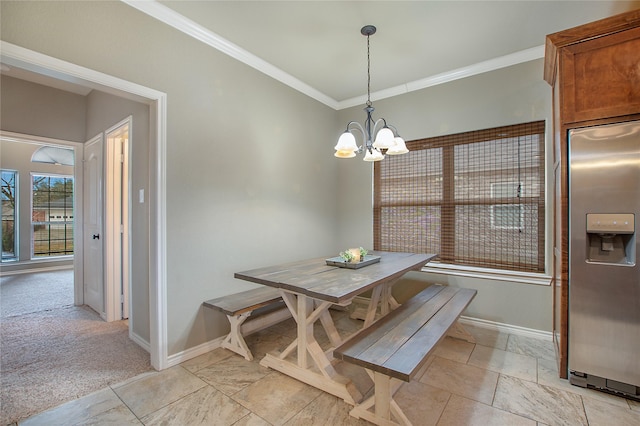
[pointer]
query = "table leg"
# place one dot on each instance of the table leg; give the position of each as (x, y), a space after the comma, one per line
(305, 330)
(330, 328)
(312, 365)
(388, 302)
(373, 306)
(381, 295)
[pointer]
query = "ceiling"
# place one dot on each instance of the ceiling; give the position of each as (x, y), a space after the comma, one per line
(316, 46)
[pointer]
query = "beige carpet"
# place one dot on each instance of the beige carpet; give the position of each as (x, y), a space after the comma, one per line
(51, 353)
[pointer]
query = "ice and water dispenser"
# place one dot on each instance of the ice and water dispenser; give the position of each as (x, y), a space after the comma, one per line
(611, 238)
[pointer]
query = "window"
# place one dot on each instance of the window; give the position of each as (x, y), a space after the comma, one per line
(506, 216)
(474, 198)
(9, 215)
(52, 215)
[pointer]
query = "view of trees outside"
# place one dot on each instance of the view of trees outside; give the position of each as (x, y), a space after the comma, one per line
(52, 215)
(8, 214)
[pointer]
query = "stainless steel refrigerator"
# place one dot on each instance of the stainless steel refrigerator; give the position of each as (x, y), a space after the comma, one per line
(604, 276)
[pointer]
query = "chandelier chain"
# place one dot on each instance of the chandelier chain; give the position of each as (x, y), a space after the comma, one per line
(368, 74)
(386, 140)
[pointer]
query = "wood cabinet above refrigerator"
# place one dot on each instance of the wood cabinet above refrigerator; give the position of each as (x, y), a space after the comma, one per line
(594, 70)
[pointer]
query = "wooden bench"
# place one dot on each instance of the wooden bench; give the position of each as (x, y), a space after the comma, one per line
(395, 348)
(263, 306)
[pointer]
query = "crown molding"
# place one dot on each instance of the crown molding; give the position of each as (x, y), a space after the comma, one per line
(197, 31)
(449, 76)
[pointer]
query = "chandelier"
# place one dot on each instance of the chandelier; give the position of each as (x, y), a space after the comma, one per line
(387, 138)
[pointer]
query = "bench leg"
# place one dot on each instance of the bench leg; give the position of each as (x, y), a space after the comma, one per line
(459, 332)
(234, 340)
(382, 395)
(386, 411)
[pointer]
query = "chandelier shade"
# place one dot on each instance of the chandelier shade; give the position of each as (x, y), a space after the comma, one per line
(399, 147)
(346, 146)
(387, 138)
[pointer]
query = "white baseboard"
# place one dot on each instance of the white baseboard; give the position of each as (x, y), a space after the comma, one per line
(491, 325)
(194, 352)
(507, 328)
(4, 272)
(140, 341)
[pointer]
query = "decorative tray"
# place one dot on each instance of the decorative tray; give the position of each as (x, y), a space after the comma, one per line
(341, 263)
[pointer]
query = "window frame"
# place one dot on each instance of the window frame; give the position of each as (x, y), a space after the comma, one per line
(48, 222)
(16, 218)
(443, 147)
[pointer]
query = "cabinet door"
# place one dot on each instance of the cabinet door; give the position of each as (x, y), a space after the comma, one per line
(601, 77)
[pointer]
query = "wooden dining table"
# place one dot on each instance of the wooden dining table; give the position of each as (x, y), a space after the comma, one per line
(309, 288)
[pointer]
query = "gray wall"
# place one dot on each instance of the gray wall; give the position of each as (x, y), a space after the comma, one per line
(516, 94)
(249, 183)
(39, 110)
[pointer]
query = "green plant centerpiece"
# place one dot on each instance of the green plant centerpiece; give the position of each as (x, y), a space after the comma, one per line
(353, 255)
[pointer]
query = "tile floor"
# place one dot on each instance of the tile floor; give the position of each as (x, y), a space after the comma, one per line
(503, 379)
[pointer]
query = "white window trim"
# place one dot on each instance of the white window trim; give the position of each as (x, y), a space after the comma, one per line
(488, 273)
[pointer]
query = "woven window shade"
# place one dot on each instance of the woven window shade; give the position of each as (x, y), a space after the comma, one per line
(474, 198)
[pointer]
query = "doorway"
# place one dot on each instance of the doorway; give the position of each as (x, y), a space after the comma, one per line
(106, 226)
(156, 341)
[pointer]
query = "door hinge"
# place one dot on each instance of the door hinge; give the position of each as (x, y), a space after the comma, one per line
(122, 158)
(122, 298)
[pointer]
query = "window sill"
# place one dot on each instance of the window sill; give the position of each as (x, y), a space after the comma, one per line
(37, 260)
(32, 265)
(489, 274)
(50, 259)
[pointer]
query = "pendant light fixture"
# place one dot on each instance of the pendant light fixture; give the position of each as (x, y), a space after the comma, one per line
(387, 138)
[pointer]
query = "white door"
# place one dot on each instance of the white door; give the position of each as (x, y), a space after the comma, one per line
(92, 225)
